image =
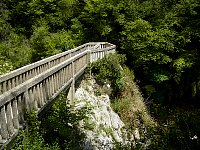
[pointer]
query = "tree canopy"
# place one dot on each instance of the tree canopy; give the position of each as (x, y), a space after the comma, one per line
(159, 37)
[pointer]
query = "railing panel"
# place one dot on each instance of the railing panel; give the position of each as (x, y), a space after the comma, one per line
(34, 86)
(76, 58)
(33, 69)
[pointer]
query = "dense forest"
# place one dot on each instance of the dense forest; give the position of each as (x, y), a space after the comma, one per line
(160, 38)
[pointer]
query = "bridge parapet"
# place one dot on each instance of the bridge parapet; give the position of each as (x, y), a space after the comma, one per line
(35, 86)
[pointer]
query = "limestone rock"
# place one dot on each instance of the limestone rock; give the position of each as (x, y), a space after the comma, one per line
(103, 128)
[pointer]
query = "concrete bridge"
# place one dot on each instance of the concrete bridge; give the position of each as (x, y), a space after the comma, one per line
(35, 86)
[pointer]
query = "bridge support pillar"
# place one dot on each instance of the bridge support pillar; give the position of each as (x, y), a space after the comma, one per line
(71, 93)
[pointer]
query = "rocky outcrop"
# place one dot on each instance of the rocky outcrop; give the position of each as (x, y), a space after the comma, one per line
(103, 127)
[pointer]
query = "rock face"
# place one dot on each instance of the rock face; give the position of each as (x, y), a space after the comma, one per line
(103, 127)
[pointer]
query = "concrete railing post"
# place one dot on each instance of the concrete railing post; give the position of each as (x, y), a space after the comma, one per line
(71, 93)
(89, 60)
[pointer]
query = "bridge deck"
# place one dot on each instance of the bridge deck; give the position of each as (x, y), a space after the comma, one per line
(33, 87)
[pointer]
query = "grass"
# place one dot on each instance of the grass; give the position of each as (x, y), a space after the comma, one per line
(132, 109)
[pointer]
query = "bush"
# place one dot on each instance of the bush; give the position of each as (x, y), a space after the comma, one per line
(5, 66)
(57, 129)
(32, 139)
(109, 70)
(60, 124)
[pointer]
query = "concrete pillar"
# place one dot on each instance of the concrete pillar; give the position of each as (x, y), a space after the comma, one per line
(3, 121)
(71, 93)
(89, 60)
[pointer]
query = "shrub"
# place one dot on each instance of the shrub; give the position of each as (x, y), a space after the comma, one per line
(57, 129)
(5, 66)
(60, 124)
(32, 139)
(109, 70)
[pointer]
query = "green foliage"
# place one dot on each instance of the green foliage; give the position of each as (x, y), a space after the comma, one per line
(25, 13)
(147, 45)
(153, 34)
(16, 51)
(160, 39)
(158, 42)
(60, 124)
(57, 129)
(4, 25)
(46, 44)
(178, 127)
(32, 139)
(109, 69)
(5, 66)
(133, 112)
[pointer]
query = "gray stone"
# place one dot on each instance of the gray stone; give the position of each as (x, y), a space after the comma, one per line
(106, 127)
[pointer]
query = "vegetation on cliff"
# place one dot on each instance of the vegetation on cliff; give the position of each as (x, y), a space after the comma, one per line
(160, 39)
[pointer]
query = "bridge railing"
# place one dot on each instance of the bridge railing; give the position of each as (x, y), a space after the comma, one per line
(34, 86)
(18, 76)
